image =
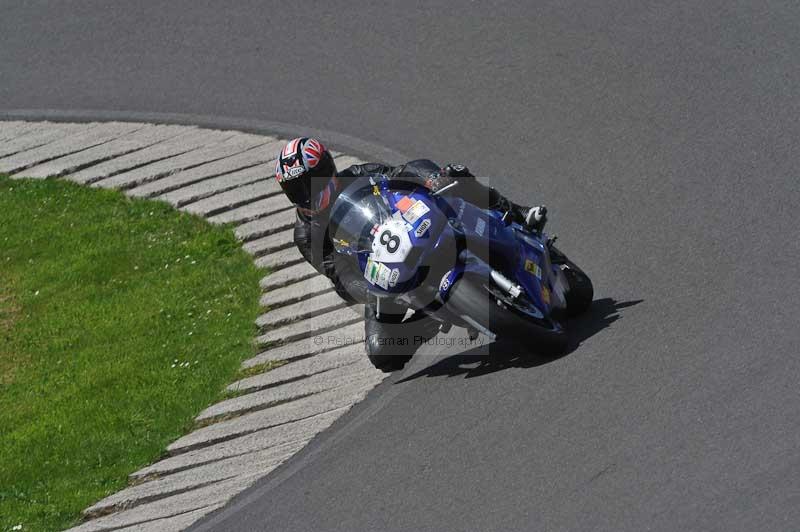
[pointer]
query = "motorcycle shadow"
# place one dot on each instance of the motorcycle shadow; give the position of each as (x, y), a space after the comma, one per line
(499, 356)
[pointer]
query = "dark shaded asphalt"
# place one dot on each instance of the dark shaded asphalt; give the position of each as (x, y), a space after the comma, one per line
(664, 138)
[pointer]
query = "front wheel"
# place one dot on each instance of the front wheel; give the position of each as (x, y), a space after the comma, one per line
(387, 362)
(471, 296)
(389, 346)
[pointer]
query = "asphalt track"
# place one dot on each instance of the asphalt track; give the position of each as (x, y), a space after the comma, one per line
(664, 139)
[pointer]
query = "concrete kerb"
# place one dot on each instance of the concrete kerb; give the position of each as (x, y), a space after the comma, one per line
(215, 174)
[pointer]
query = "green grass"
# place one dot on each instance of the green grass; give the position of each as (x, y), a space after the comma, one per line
(258, 369)
(119, 321)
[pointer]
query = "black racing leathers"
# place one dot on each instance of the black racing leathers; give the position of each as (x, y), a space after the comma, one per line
(312, 239)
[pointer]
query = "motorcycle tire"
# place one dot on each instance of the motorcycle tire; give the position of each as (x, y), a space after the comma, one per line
(388, 363)
(581, 292)
(469, 296)
(385, 359)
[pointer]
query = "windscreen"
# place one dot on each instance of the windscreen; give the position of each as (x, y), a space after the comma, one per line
(357, 212)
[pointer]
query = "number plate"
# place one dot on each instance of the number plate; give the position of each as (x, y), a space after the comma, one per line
(391, 242)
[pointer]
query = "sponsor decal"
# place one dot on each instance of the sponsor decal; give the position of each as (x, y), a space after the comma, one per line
(339, 243)
(378, 273)
(416, 211)
(371, 270)
(444, 284)
(423, 227)
(394, 276)
(398, 217)
(404, 203)
(532, 267)
(545, 294)
(384, 273)
(480, 226)
(295, 171)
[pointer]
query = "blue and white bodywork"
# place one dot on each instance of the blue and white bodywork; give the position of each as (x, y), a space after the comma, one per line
(415, 246)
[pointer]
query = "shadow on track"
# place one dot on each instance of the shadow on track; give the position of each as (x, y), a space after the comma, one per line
(496, 357)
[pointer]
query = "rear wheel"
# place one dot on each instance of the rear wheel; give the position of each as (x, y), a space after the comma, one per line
(580, 294)
(470, 296)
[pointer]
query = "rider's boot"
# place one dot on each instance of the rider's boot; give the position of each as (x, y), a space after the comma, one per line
(536, 218)
(532, 218)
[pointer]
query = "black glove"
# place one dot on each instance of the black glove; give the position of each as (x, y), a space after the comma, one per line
(456, 170)
(446, 176)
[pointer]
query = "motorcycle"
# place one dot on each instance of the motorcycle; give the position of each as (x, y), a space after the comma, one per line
(461, 265)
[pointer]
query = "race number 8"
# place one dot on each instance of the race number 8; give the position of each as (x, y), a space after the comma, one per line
(390, 241)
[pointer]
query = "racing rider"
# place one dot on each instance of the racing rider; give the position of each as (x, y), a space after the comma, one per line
(308, 176)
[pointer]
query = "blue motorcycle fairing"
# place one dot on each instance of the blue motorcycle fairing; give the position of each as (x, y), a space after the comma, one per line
(399, 237)
(519, 255)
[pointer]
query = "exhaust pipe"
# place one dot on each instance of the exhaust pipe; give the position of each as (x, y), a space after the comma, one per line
(505, 284)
